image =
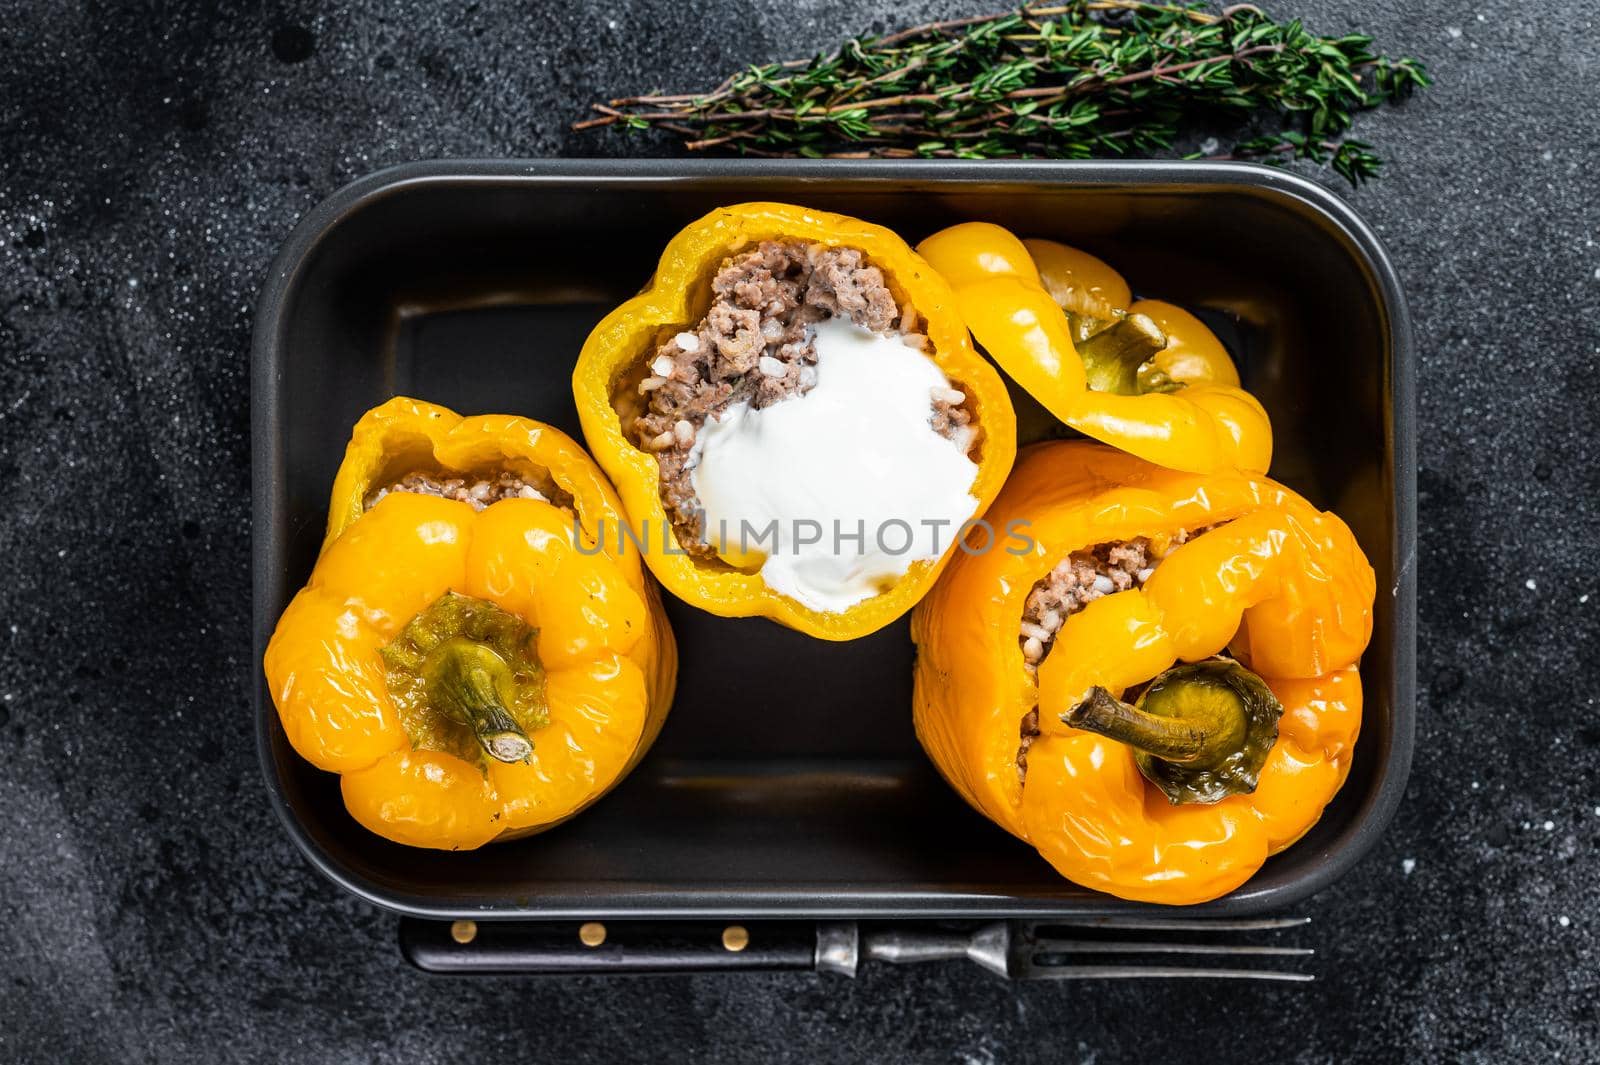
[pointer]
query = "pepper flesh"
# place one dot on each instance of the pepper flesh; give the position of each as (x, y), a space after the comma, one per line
(1016, 299)
(1282, 586)
(676, 298)
(602, 641)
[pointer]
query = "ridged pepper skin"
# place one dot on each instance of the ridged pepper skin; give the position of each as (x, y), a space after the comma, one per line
(1283, 586)
(608, 655)
(676, 298)
(1013, 296)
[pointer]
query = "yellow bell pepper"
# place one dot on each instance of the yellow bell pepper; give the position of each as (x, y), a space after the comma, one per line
(1281, 585)
(675, 299)
(471, 675)
(1146, 377)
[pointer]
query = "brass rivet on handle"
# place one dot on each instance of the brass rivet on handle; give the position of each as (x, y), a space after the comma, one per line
(735, 938)
(464, 932)
(592, 934)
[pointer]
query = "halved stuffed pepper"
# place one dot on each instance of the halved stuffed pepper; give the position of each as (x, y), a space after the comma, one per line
(468, 654)
(1141, 375)
(795, 418)
(1158, 689)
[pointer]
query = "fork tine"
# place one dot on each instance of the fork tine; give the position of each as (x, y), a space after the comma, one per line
(1089, 946)
(1144, 972)
(1169, 924)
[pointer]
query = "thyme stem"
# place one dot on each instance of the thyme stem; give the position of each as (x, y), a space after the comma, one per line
(1070, 80)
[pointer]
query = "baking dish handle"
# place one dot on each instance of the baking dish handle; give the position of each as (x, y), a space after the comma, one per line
(627, 947)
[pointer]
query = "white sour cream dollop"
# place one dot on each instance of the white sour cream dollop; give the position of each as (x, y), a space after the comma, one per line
(856, 453)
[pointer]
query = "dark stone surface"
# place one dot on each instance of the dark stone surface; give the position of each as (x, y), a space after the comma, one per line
(153, 156)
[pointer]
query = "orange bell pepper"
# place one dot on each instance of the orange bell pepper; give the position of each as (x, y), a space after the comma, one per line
(1282, 586)
(1146, 377)
(471, 675)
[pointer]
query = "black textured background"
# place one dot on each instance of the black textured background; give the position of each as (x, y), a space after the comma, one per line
(152, 157)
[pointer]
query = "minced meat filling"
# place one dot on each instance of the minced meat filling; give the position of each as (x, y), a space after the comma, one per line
(1078, 580)
(1075, 582)
(755, 345)
(478, 491)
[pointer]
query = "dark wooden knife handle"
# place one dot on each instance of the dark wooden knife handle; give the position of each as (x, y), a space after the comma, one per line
(609, 947)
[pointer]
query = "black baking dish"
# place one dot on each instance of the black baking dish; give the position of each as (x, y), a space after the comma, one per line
(787, 782)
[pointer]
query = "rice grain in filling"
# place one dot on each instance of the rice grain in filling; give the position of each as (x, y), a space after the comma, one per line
(754, 346)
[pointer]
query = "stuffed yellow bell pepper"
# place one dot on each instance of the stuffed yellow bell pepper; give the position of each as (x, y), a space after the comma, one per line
(1143, 376)
(468, 655)
(795, 419)
(1074, 686)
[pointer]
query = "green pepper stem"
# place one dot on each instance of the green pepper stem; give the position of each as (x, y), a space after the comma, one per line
(464, 682)
(1200, 732)
(1184, 740)
(1112, 357)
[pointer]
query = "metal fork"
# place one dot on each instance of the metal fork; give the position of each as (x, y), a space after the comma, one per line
(1043, 950)
(1070, 948)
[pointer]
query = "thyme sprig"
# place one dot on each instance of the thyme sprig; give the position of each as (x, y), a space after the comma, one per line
(1074, 80)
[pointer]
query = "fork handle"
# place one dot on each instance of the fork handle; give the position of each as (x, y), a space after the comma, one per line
(618, 947)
